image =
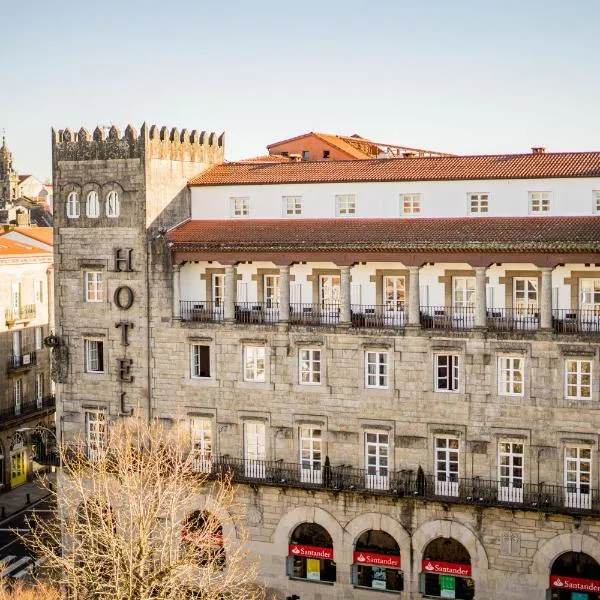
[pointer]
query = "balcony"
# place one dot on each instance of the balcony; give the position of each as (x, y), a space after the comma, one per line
(257, 312)
(576, 321)
(315, 314)
(21, 362)
(378, 316)
(406, 484)
(201, 311)
(46, 404)
(447, 317)
(22, 314)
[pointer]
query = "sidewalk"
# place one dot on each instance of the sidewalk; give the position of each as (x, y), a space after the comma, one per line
(16, 500)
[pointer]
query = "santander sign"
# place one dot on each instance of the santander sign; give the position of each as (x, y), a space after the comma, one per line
(574, 583)
(376, 560)
(310, 551)
(444, 568)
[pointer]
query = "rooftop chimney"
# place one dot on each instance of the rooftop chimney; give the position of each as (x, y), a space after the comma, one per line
(538, 150)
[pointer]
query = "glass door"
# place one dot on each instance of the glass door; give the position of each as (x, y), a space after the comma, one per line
(578, 471)
(377, 460)
(202, 445)
(329, 297)
(310, 455)
(218, 295)
(254, 449)
(463, 301)
(394, 288)
(510, 471)
(446, 466)
(525, 302)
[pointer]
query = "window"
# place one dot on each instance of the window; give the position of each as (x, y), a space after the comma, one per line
(525, 296)
(310, 554)
(94, 290)
(310, 454)
(39, 389)
(510, 470)
(255, 452)
(72, 206)
(589, 295)
(113, 205)
(410, 204)
(463, 292)
(201, 434)
(376, 562)
(39, 291)
(377, 459)
(578, 379)
(539, 202)
(578, 476)
(18, 395)
(510, 376)
(218, 289)
(446, 373)
(395, 292)
(94, 356)
(200, 361)
(596, 201)
(376, 369)
(446, 466)
(39, 338)
(329, 290)
(92, 205)
(254, 363)
(95, 432)
(292, 206)
(305, 155)
(326, 154)
(271, 290)
(478, 204)
(310, 366)
(240, 207)
(345, 205)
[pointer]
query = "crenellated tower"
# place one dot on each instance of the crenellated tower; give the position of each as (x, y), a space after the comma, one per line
(115, 196)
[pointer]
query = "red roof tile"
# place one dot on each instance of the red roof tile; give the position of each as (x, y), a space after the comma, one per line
(507, 234)
(508, 166)
(9, 248)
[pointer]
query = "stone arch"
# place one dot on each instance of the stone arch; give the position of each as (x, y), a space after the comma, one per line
(450, 529)
(553, 548)
(378, 521)
(307, 514)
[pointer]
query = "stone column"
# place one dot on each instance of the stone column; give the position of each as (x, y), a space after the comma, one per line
(176, 292)
(345, 316)
(546, 299)
(414, 297)
(284, 294)
(229, 301)
(480, 298)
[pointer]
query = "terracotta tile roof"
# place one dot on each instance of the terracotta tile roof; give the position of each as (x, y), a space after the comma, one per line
(441, 168)
(10, 248)
(267, 158)
(41, 234)
(469, 234)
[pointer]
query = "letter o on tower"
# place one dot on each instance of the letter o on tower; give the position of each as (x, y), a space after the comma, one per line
(124, 297)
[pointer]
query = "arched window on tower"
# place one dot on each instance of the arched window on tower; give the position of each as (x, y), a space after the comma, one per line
(113, 204)
(92, 205)
(72, 205)
(575, 575)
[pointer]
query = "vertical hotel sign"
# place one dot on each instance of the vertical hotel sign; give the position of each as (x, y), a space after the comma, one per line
(124, 298)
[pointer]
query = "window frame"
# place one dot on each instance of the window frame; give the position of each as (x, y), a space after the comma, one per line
(579, 375)
(195, 361)
(94, 286)
(99, 355)
(382, 380)
(18, 395)
(349, 210)
(38, 334)
(297, 206)
(312, 361)
(508, 369)
(453, 375)
(255, 361)
(477, 197)
(113, 197)
(596, 202)
(72, 205)
(413, 202)
(92, 200)
(39, 389)
(540, 197)
(93, 425)
(243, 210)
(467, 287)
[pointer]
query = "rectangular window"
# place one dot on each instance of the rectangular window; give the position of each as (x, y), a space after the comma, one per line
(95, 432)
(202, 448)
(94, 356)
(479, 203)
(18, 395)
(254, 364)
(292, 206)
(446, 466)
(345, 205)
(39, 335)
(446, 373)
(255, 452)
(218, 289)
(589, 296)
(240, 207)
(578, 379)
(510, 376)
(271, 290)
(510, 470)
(525, 296)
(200, 361)
(39, 389)
(376, 369)
(395, 292)
(377, 460)
(311, 457)
(539, 202)
(94, 290)
(410, 204)
(39, 291)
(329, 290)
(310, 366)
(578, 476)
(596, 201)
(463, 292)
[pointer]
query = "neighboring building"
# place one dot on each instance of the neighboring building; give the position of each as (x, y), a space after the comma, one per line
(327, 146)
(26, 399)
(397, 359)
(9, 178)
(40, 237)
(31, 187)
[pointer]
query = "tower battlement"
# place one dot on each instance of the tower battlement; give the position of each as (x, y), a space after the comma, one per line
(152, 142)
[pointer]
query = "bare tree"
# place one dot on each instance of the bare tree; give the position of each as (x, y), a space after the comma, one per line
(136, 520)
(21, 591)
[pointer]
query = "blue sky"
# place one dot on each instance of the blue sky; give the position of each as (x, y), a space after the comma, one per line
(464, 76)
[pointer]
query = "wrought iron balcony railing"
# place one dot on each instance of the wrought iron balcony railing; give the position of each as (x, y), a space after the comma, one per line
(576, 321)
(257, 312)
(378, 316)
(315, 314)
(202, 311)
(22, 361)
(447, 317)
(581, 499)
(25, 312)
(513, 319)
(30, 407)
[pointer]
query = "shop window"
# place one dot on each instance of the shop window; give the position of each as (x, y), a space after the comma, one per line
(376, 563)
(574, 576)
(202, 536)
(310, 554)
(446, 571)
